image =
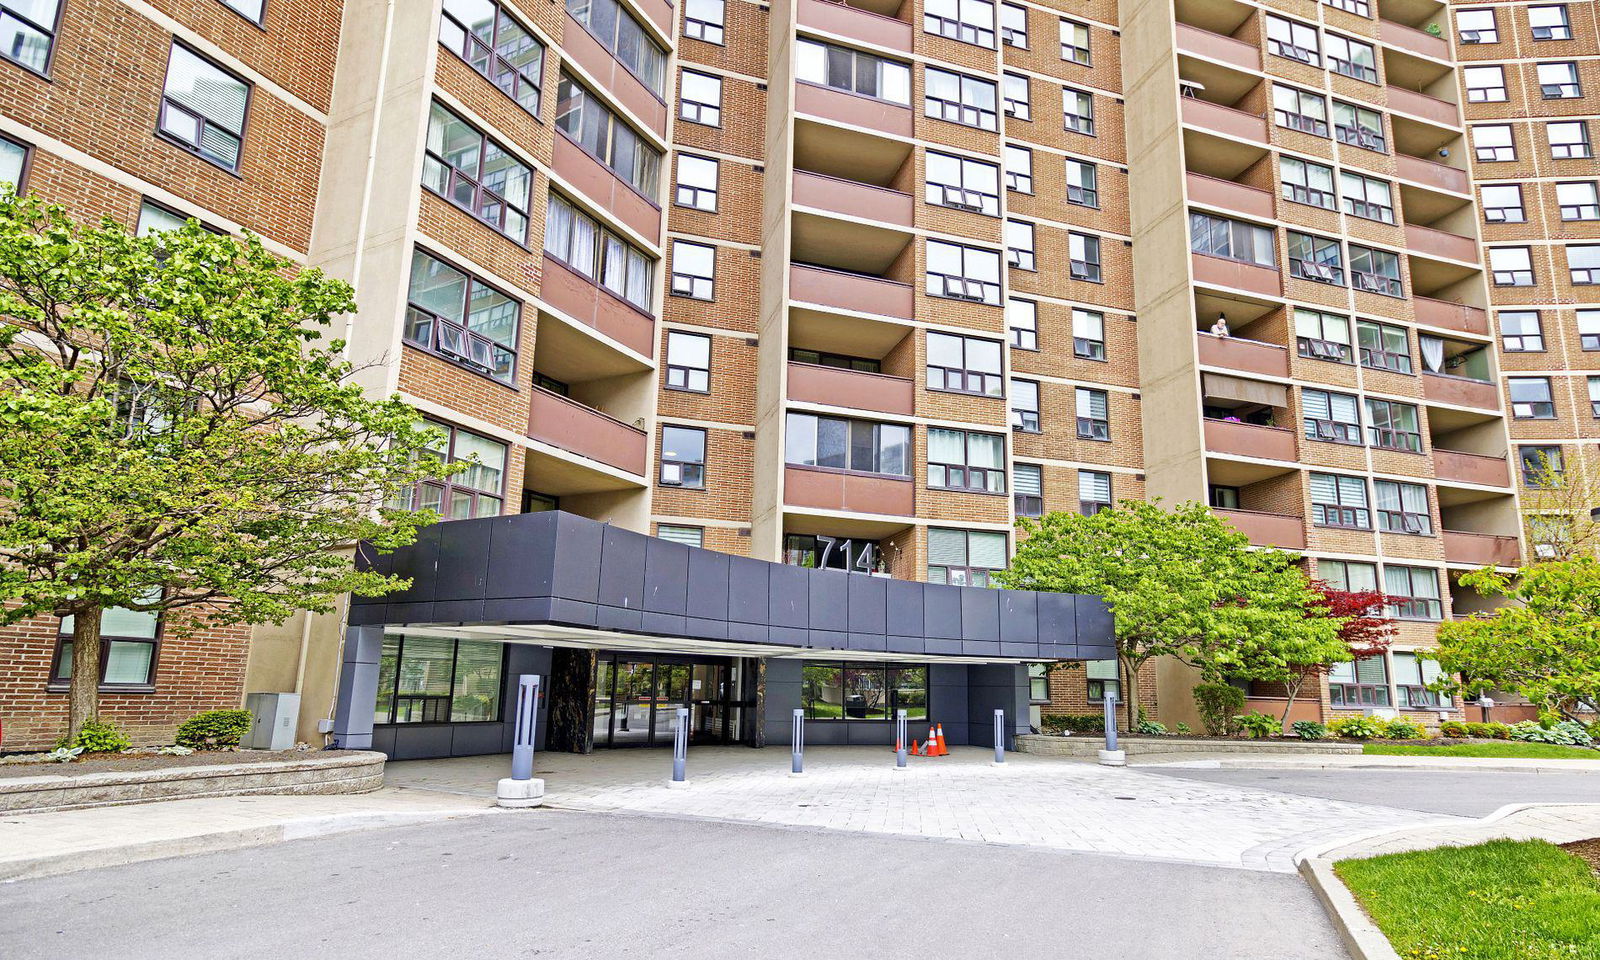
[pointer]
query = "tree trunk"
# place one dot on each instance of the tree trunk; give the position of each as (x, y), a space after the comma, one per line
(83, 693)
(1130, 689)
(1293, 690)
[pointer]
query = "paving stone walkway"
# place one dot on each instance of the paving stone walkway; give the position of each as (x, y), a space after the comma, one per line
(1030, 801)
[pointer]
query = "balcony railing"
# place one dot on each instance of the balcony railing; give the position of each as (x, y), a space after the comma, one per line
(1250, 201)
(587, 432)
(1460, 391)
(859, 111)
(855, 23)
(595, 181)
(1281, 530)
(584, 301)
(850, 291)
(1476, 468)
(1480, 549)
(856, 389)
(1440, 243)
(819, 489)
(852, 198)
(1222, 272)
(1430, 173)
(1423, 106)
(1225, 120)
(1249, 440)
(1214, 46)
(1247, 356)
(1412, 40)
(581, 46)
(1451, 316)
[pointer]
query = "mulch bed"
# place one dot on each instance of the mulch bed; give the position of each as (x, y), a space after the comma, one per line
(128, 762)
(1588, 850)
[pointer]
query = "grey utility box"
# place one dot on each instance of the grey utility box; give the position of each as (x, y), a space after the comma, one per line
(275, 717)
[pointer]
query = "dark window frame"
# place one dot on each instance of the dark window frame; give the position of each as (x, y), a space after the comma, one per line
(56, 683)
(491, 58)
(437, 323)
(455, 659)
(479, 190)
(51, 33)
(688, 478)
(193, 149)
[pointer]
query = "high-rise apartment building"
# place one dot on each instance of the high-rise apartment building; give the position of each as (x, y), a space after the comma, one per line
(850, 287)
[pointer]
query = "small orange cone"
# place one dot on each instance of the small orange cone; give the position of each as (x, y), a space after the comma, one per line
(939, 743)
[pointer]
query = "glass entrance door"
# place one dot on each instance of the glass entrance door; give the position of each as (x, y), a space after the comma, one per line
(636, 701)
(632, 703)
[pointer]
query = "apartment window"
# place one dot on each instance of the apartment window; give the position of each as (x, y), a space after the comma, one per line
(1330, 417)
(1299, 110)
(1360, 8)
(1352, 58)
(1559, 81)
(694, 270)
(1366, 197)
(1083, 183)
(1494, 143)
(1521, 331)
(1485, 84)
(1578, 200)
(705, 20)
(1589, 329)
(592, 125)
(683, 457)
(1383, 346)
(1101, 679)
(688, 362)
(700, 99)
(1231, 240)
(1083, 252)
(476, 174)
(1094, 414)
(1022, 321)
(129, 641)
(1315, 258)
(1583, 264)
(836, 360)
(1025, 406)
(1393, 426)
(595, 252)
(1340, 501)
(1019, 169)
(13, 161)
(1550, 23)
(1358, 684)
(1075, 42)
(203, 107)
(1019, 245)
(964, 364)
(1594, 396)
(1542, 466)
(492, 42)
(970, 21)
(1322, 336)
(1403, 508)
(839, 444)
(1014, 25)
(1309, 183)
(477, 491)
(1511, 266)
(1502, 203)
(1014, 91)
(959, 98)
(1359, 127)
(1375, 271)
(1349, 576)
(1094, 492)
(1294, 40)
(1476, 26)
(622, 34)
(1088, 334)
(153, 218)
(1569, 139)
(962, 183)
(28, 31)
(1027, 489)
(958, 460)
(460, 317)
(438, 680)
(1077, 107)
(853, 71)
(964, 558)
(688, 536)
(1223, 498)
(963, 273)
(857, 691)
(1531, 398)
(1413, 593)
(697, 183)
(1412, 675)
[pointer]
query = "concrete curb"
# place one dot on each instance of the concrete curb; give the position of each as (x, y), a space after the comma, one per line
(1361, 936)
(1567, 767)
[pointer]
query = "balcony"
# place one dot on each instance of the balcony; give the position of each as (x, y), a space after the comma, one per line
(1282, 530)
(659, 11)
(851, 198)
(584, 50)
(854, 292)
(1431, 174)
(811, 383)
(1225, 120)
(586, 432)
(1460, 391)
(1412, 40)
(856, 24)
(819, 489)
(1475, 468)
(1212, 192)
(881, 116)
(1420, 105)
(1481, 549)
(1221, 272)
(1451, 316)
(1251, 440)
(579, 298)
(1246, 356)
(599, 184)
(1199, 42)
(1439, 243)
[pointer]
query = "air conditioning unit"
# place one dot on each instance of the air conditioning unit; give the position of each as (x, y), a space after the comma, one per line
(273, 718)
(672, 474)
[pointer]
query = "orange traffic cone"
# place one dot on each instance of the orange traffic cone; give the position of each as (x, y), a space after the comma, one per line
(939, 742)
(931, 745)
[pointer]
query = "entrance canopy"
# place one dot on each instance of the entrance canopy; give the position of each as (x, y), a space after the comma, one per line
(559, 579)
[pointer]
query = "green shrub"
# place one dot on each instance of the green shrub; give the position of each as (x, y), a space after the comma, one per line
(1072, 723)
(1258, 725)
(1356, 728)
(1489, 731)
(1310, 730)
(1151, 728)
(1219, 704)
(1183, 729)
(1455, 728)
(1565, 732)
(214, 729)
(98, 736)
(1402, 729)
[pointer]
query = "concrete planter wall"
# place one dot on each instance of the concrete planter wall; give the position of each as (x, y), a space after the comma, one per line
(1085, 745)
(344, 771)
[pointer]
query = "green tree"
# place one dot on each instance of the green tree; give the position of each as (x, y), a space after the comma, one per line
(1180, 583)
(177, 435)
(1543, 643)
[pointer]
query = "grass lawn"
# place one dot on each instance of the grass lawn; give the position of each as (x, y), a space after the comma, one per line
(1502, 900)
(1510, 748)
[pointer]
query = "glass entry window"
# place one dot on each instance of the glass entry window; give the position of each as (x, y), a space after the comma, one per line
(636, 700)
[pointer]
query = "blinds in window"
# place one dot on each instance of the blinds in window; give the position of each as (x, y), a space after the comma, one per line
(1026, 477)
(947, 548)
(987, 550)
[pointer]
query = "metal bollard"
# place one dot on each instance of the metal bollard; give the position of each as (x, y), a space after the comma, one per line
(1112, 756)
(999, 738)
(521, 789)
(797, 744)
(899, 739)
(680, 748)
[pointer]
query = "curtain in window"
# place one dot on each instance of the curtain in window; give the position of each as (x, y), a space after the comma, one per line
(1432, 353)
(946, 446)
